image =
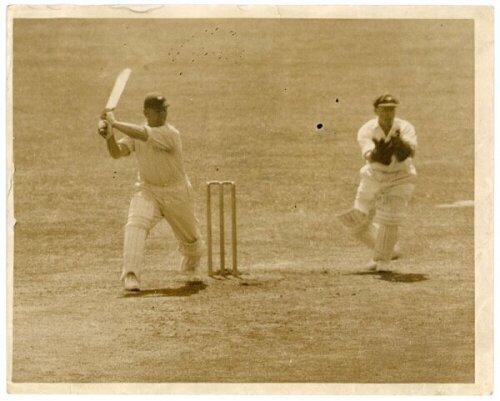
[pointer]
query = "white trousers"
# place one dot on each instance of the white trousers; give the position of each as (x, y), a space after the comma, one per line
(386, 194)
(148, 206)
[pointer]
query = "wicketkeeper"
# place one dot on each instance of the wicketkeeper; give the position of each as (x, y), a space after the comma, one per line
(388, 145)
(163, 189)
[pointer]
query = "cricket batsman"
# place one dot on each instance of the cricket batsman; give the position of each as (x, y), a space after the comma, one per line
(387, 182)
(163, 189)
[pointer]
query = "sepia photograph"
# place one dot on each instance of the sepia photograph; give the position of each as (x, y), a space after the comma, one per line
(248, 200)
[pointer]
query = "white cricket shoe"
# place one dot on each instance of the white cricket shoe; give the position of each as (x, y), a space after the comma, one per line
(383, 266)
(190, 266)
(371, 265)
(194, 277)
(131, 282)
(396, 253)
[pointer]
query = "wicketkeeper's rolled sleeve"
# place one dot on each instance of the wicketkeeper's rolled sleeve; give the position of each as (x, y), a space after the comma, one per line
(409, 135)
(365, 140)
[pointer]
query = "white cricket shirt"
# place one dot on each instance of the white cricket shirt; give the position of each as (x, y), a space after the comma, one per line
(160, 157)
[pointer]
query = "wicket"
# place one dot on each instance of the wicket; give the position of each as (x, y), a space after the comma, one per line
(221, 185)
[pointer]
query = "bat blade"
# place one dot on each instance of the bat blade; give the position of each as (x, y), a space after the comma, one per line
(118, 88)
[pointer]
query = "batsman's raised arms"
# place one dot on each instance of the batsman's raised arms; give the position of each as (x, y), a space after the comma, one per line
(118, 88)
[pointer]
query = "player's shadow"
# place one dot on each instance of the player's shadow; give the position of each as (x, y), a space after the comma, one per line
(394, 277)
(186, 290)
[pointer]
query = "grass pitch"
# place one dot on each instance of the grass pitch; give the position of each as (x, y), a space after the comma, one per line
(247, 96)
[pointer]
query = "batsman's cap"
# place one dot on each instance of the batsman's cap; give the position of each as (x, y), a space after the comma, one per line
(386, 101)
(155, 101)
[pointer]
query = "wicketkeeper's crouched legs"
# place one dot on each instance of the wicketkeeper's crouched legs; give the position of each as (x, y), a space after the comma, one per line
(143, 215)
(358, 220)
(362, 228)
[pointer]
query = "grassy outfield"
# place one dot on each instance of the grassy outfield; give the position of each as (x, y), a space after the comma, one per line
(246, 95)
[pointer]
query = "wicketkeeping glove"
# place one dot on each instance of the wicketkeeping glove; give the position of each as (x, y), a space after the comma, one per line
(402, 149)
(383, 152)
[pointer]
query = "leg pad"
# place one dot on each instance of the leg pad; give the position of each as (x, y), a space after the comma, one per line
(354, 220)
(192, 253)
(386, 240)
(391, 209)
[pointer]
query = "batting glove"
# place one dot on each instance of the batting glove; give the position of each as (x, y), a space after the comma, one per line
(110, 117)
(104, 129)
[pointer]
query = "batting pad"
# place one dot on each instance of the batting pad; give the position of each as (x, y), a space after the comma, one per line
(354, 220)
(192, 253)
(386, 240)
(368, 236)
(391, 209)
(133, 250)
(142, 216)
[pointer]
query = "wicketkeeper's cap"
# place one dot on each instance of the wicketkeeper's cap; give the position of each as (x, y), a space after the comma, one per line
(155, 101)
(386, 101)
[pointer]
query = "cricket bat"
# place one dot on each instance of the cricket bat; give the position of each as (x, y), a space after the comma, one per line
(118, 88)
